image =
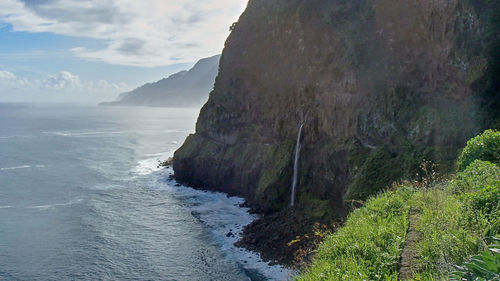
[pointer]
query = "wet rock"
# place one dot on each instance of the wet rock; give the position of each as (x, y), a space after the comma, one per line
(167, 163)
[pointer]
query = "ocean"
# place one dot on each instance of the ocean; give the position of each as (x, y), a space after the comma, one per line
(82, 198)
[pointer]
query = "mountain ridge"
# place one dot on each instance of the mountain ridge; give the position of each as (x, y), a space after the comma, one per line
(187, 88)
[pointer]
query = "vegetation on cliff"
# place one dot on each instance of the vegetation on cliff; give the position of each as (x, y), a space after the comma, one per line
(457, 218)
(381, 87)
(384, 85)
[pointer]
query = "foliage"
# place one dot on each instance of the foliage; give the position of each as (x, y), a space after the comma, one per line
(378, 170)
(485, 266)
(456, 218)
(480, 187)
(478, 174)
(370, 254)
(485, 146)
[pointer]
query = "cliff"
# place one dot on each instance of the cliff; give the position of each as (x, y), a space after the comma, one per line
(183, 89)
(379, 86)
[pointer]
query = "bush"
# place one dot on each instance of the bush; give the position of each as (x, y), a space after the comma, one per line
(485, 266)
(479, 189)
(476, 176)
(484, 147)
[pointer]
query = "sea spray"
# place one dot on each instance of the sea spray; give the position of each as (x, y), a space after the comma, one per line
(296, 166)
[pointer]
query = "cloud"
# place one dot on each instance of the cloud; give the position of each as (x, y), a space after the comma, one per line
(138, 33)
(10, 80)
(63, 83)
(6, 76)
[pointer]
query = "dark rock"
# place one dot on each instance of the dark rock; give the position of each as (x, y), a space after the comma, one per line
(380, 86)
(166, 163)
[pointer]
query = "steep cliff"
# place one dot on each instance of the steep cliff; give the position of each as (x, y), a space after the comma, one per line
(182, 89)
(379, 86)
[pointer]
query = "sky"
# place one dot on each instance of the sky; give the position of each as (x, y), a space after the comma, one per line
(91, 50)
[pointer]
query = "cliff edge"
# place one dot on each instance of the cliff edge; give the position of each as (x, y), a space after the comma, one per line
(378, 85)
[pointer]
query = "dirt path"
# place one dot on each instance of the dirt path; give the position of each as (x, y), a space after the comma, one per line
(409, 255)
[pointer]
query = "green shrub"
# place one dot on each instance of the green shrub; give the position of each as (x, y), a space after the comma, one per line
(486, 200)
(476, 176)
(478, 187)
(483, 147)
(485, 266)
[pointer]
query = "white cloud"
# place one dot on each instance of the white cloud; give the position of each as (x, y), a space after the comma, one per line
(140, 33)
(62, 81)
(7, 76)
(10, 80)
(60, 86)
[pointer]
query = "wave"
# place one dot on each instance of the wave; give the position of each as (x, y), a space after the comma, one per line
(5, 207)
(15, 136)
(159, 153)
(85, 134)
(21, 167)
(225, 219)
(99, 133)
(151, 165)
(50, 206)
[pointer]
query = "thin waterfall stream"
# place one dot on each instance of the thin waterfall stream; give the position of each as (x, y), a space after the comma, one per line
(296, 166)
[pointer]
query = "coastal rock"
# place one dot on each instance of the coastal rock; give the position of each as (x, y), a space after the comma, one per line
(383, 84)
(379, 85)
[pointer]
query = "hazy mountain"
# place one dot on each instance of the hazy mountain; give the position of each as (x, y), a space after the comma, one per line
(183, 89)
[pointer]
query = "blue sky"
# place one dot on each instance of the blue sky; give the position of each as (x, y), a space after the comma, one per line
(90, 51)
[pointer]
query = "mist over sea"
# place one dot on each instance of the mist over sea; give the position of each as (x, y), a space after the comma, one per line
(82, 198)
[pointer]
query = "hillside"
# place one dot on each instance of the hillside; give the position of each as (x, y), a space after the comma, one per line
(184, 89)
(423, 230)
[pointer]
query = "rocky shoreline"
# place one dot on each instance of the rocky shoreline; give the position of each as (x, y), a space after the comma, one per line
(293, 247)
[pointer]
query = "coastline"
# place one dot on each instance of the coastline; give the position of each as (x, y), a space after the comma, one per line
(228, 218)
(264, 235)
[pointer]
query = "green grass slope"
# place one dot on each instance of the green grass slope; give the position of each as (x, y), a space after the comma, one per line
(457, 218)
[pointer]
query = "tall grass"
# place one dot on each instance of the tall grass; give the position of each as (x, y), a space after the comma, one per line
(368, 246)
(457, 218)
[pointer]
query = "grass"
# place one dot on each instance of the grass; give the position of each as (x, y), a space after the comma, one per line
(446, 237)
(457, 218)
(368, 246)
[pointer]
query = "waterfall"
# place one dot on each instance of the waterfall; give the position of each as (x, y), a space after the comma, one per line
(296, 166)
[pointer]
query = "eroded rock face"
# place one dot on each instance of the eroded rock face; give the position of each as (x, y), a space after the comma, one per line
(381, 85)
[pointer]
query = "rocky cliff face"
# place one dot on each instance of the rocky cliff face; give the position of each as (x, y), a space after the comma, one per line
(379, 85)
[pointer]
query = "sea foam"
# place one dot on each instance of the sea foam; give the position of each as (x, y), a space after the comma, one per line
(225, 219)
(21, 167)
(50, 206)
(152, 163)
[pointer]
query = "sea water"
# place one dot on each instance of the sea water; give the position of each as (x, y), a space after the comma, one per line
(82, 198)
